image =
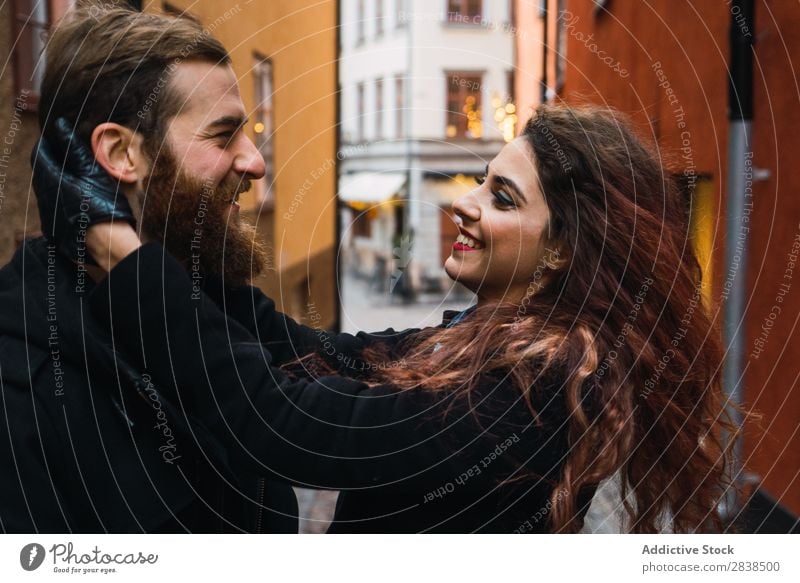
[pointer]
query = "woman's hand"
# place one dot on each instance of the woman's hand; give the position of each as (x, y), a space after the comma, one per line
(110, 243)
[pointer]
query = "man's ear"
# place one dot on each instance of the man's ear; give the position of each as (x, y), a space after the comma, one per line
(119, 151)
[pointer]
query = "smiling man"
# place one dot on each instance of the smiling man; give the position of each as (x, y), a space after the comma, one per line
(204, 163)
(154, 104)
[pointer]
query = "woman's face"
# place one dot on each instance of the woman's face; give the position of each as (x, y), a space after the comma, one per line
(507, 218)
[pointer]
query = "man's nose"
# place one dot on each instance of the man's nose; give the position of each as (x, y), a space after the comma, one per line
(249, 160)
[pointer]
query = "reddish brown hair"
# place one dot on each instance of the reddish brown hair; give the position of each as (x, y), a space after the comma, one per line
(619, 320)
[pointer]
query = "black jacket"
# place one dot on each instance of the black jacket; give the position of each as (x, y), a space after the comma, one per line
(405, 460)
(87, 444)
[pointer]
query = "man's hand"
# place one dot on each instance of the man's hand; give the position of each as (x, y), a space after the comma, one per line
(73, 191)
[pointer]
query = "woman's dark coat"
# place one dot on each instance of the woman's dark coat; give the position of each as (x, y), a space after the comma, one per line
(405, 460)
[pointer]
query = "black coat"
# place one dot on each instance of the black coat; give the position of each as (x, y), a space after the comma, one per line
(405, 460)
(80, 450)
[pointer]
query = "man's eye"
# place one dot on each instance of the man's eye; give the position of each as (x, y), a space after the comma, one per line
(480, 179)
(226, 136)
(502, 198)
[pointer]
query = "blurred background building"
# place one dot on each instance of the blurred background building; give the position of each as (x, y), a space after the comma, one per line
(426, 103)
(668, 65)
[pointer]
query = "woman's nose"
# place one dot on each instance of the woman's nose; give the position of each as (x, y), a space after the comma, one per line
(467, 207)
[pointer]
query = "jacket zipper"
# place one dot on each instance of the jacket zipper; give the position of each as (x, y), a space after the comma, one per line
(260, 501)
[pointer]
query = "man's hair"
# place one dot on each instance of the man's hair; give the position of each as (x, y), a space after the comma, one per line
(112, 64)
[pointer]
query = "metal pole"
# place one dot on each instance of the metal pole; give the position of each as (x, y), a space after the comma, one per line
(545, 48)
(406, 280)
(740, 114)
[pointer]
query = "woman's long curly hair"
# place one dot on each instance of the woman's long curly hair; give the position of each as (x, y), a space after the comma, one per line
(620, 319)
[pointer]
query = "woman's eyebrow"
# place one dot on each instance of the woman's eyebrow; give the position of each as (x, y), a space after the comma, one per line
(509, 183)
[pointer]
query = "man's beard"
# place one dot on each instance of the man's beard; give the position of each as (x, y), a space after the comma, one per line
(193, 220)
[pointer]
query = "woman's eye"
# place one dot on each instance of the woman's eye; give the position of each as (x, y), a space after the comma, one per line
(502, 198)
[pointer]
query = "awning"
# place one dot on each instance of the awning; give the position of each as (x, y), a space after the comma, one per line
(370, 187)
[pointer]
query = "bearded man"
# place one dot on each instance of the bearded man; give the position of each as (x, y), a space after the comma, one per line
(153, 104)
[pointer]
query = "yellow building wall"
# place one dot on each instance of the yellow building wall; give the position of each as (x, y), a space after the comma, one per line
(299, 37)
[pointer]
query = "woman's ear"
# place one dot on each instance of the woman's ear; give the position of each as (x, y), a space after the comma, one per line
(119, 151)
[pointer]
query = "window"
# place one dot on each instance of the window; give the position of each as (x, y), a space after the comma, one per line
(464, 105)
(399, 106)
(505, 112)
(31, 21)
(362, 223)
(465, 11)
(360, 23)
(360, 106)
(378, 17)
(699, 196)
(264, 125)
(379, 108)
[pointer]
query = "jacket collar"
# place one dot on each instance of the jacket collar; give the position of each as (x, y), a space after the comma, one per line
(453, 317)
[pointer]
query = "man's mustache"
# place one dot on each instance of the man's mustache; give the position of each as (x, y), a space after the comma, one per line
(244, 186)
(220, 191)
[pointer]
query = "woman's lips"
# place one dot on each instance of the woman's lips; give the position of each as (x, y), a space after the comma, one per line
(466, 242)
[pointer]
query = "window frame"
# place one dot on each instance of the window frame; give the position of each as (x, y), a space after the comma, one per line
(400, 105)
(379, 108)
(264, 68)
(361, 112)
(380, 15)
(361, 22)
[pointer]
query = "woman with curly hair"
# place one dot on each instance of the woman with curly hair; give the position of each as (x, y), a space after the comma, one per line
(589, 356)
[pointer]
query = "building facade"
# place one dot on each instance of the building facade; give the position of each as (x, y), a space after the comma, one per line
(667, 65)
(426, 103)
